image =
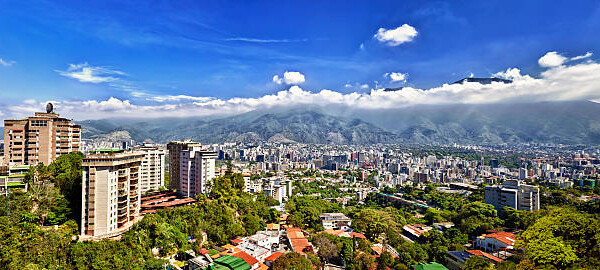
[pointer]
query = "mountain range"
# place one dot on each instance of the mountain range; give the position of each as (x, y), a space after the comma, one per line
(575, 122)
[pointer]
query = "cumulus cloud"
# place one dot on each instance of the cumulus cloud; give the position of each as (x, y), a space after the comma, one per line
(552, 59)
(6, 63)
(397, 36)
(564, 82)
(289, 77)
(396, 76)
(90, 74)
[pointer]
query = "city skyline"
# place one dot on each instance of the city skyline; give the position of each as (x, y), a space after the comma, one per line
(196, 59)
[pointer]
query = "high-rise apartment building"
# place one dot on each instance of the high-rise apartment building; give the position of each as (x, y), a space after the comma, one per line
(110, 192)
(196, 171)
(39, 138)
(175, 149)
(152, 169)
(513, 194)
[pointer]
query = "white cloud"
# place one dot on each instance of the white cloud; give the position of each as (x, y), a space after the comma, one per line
(178, 98)
(396, 76)
(259, 40)
(362, 47)
(86, 73)
(364, 86)
(565, 82)
(6, 63)
(289, 77)
(586, 55)
(395, 37)
(552, 59)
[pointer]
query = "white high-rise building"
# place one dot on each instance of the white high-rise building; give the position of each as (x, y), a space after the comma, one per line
(196, 171)
(152, 170)
(513, 194)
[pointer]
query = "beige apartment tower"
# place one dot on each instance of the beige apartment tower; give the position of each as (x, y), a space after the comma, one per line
(175, 149)
(110, 192)
(39, 138)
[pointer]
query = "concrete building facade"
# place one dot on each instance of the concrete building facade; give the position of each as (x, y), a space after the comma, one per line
(174, 149)
(40, 138)
(513, 194)
(152, 170)
(196, 171)
(110, 192)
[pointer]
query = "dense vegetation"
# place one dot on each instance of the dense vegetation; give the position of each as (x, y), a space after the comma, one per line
(54, 191)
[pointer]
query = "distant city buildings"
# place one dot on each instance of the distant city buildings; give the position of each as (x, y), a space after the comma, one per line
(513, 194)
(110, 192)
(279, 189)
(39, 138)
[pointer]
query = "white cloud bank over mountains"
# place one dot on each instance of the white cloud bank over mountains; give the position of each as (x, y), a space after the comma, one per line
(558, 82)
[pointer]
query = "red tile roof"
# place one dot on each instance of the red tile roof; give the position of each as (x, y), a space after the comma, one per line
(504, 237)
(273, 256)
(490, 257)
(358, 235)
(246, 257)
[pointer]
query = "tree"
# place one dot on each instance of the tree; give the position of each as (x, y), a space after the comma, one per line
(506, 265)
(328, 250)
(563, 238)
(477, 217)
(385, 260)
(477, 263)
(292, 260)
(363, 261)
(374, 222)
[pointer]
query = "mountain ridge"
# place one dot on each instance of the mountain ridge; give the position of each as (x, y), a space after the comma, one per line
(575, 122)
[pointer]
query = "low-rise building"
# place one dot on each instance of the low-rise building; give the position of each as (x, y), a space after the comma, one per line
(492, 242)
(336, 221)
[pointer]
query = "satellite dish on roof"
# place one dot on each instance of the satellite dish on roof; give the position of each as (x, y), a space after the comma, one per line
(49, 107)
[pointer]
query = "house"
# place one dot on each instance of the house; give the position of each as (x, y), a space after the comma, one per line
(337, 221)
(457, 259)
(379, 249)
(297, 240)
(414, 231)
(346, 234)
(271, 259)
(495, 241)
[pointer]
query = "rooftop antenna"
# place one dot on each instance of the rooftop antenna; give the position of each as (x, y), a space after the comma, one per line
(49, 108)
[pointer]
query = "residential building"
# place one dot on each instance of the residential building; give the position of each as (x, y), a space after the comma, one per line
(280, 190)
(336, 221)
(174, 149)
(196, 171)
(513, 194)
(496, 241)
(152, 170)
(39, 138)
(110, 192)
(455, 260)
(297, 241)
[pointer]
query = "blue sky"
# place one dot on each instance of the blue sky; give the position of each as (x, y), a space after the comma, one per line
(136, 51)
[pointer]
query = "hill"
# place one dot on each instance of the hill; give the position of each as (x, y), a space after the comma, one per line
(548, 122)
